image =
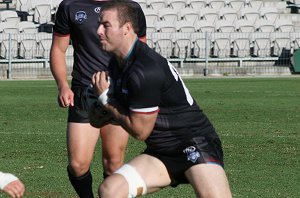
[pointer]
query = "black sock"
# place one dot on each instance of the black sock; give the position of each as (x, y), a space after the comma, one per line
(82, 184)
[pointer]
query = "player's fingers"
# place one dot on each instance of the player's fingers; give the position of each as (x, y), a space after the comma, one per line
(103, 76)
(97, 78)
(93, 79)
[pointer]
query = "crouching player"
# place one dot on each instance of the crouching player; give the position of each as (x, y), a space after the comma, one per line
(152, 103)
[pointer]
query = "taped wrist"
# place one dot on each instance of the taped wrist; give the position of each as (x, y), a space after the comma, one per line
(6, 178)
(103, 98)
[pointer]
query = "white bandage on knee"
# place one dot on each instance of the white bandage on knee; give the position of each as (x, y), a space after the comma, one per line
(6, 178)
(137, 185)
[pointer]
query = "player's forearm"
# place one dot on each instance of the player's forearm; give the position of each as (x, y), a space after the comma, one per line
(137, 125)
(58, 68)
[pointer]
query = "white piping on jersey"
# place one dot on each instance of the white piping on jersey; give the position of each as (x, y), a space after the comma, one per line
(144, 110)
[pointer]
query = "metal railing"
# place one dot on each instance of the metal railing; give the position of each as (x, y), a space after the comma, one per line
(27, 55)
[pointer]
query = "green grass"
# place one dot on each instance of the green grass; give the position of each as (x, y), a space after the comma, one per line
(258, 120)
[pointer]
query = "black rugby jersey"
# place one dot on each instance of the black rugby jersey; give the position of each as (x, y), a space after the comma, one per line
(147, 82)
(80, 20)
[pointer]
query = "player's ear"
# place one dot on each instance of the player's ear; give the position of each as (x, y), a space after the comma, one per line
(127, 28)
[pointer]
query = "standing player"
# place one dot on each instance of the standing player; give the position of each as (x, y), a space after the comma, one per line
(153, 104)
(78, 20)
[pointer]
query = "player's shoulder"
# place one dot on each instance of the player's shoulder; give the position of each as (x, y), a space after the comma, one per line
(150, 56)
(149, 61)
(69, 3)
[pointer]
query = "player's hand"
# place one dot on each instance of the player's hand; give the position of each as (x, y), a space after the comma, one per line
(100, 82)
(65, 97)
(14, 188)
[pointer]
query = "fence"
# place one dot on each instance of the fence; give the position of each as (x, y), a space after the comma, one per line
(27, 55)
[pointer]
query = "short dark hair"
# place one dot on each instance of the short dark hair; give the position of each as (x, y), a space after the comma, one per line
(127, 12)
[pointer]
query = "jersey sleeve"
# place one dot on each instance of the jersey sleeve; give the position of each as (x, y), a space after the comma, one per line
(62, 20)
(145, 89)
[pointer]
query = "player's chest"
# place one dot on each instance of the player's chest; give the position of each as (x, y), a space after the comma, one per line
(85, 17)
(122, 91)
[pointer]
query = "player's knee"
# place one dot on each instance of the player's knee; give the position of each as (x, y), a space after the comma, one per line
(78, 168)
(108, 189)
(136, 184)
(111, 164)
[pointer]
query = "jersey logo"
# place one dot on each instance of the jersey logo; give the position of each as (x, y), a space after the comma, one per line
(97, 10)
(124, 91)
(192, 154)
(80, 16)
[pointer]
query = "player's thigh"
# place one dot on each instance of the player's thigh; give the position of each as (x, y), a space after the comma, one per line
(209, 180)
(114, 139)
(153, 172)
(81, 140)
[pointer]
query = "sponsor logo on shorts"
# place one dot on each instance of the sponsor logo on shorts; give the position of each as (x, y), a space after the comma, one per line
(192, 154)
(80, 16)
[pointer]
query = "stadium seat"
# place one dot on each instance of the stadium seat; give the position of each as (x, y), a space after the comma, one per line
(165, 26)
(237, 5)
(189, 14)
(163, 44)
(249, 13)
(14, 20)
(198, 41)
(221, 47)
(204, 26)
(168, 14)
(261, 44)
(8, 14)
(241, 45)
(182, 45)
(27, 27)
(284, 25)
(196, 4)
(185, 26)
(269, 13)
(282, 44)
(216, 4)
(7, 27)
(42, 35)
(209, 14)
(156, 4)
(255, 4)
(28, 49)
(23, 5)
(228, 14)
(4, 48)
(224, 26)
(44, 46)
(151, 16)
(151, 28)
(263, 25)
(245, 26)
(176, 4)
(42, 13)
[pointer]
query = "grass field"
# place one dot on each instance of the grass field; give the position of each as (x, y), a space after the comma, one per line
(258, 120)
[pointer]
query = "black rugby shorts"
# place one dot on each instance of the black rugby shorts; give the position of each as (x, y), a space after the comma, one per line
(79, 112)
(197, 150)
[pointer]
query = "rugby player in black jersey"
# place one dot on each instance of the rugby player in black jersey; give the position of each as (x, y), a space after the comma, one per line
(151, 102)
(78, 20)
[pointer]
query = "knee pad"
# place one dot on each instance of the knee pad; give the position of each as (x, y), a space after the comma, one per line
(137, 185)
